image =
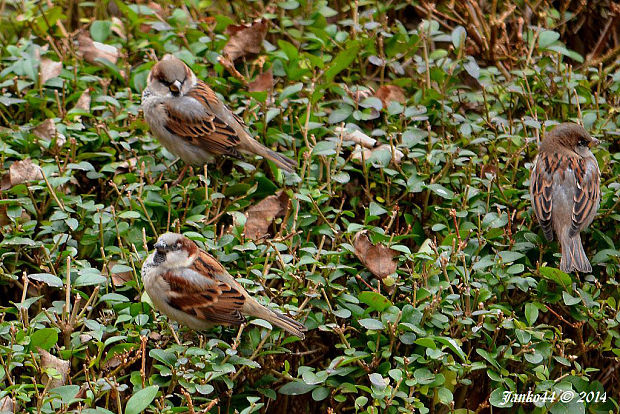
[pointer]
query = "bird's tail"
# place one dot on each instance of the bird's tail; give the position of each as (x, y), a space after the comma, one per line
(281, 161)
(291, 326)
(573, 255)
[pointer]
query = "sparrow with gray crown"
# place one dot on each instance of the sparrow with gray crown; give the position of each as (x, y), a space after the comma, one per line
(188, 118)
(190, 286)
(565, 192)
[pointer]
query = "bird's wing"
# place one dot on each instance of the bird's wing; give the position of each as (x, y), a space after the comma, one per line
(587, 193)
(201, 119)
(198, 292)
(541, 187)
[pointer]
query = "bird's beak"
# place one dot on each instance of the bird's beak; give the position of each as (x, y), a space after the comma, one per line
(160, 246)
(175, 87)
(594, 142)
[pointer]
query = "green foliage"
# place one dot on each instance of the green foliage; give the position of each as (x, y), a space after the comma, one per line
(476, 306)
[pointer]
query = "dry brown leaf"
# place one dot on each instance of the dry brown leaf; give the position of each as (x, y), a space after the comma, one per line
(21, 172)
(83, 101)
(263, 82)
(4, 217)
(60, 365)
(128, 165)
(245, 40)
(91, 50)
(49, 69)
(390, 93)
(7, 405)
(119, 278)
(261, 215)
(118, 28)
(379, 259)
(488, 169)
(356, 136)
(45, 130)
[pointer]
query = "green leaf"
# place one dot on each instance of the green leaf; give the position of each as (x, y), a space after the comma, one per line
(423, 376)
(66, 393)
(445, 395)
(163, 355)
(509, 257)
(372, 324)
(343, 60)
(296, 388)
(47, 278)
(547, 37)
(290, 90)
(378, 381)
(452, 344)
(569, 299)
(556, 275)
(531, 313)
(426, 342)
(44, 338)
(141, 400)
(374, 300)
(100, 30)
(458, 36)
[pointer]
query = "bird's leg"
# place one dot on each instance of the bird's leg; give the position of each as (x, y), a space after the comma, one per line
(174, 334)
(238, 338)
(181, 175)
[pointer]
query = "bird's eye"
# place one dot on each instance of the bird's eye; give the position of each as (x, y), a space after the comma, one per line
(583, 142)
(165, 82)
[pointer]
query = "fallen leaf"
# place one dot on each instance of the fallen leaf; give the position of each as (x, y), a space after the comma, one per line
(126, 166)
(118, 28)
(60, 365)
(7, 405)
(83, 101)
(245, 39)
(378, 258)
(49, 69)
(261, 215)
(4, 218)
(45, 130)
(360, 153)
(488, 169)
(390, 93)
(118, 278)
(356, 136)
(21, 172)
(263, 82)
(91, 50)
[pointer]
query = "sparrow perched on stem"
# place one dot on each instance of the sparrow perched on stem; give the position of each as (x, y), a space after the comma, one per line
(191, 122)
(565, 193)
(191, 286)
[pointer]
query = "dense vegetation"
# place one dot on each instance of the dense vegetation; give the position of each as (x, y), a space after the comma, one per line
(406, 242)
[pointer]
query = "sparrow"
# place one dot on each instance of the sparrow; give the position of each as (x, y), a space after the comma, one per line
(188, 118)
(190, 286)
(565, 192)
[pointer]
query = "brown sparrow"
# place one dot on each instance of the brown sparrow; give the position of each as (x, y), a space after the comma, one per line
(191, 286)
(565, 193)
(191, 122)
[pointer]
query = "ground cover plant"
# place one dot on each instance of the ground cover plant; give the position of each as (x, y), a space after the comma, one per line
(405, 242)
